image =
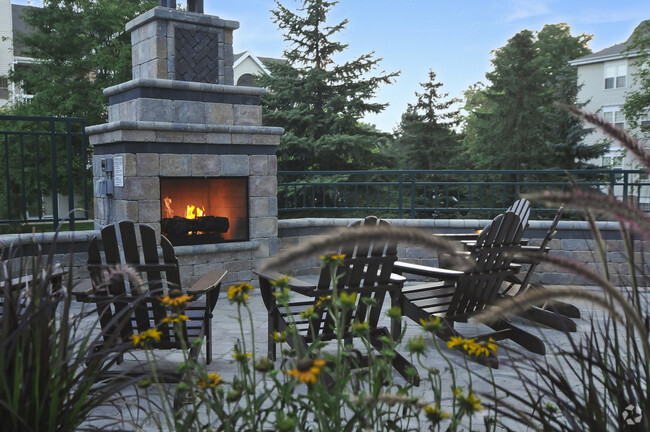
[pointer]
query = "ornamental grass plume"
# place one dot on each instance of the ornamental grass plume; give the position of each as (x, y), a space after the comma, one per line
(350, 237)
(620, 135)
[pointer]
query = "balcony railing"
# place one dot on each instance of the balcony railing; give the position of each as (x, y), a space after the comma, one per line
(440, 194)
(44, 170)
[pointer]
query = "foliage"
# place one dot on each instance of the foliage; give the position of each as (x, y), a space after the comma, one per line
(637, 101)
(512, 123)
(81, 48)
(320, 103)
(426, 132)
(51, 373)
(600, 381)
(316, 390)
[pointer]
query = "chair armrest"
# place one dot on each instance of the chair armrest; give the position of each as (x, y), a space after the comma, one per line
(420, 270)
(208, 282)
(82, 290)
(295, 284)
(459, 236)
(397, 279)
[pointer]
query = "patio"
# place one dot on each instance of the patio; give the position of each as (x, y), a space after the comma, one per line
(226, 332)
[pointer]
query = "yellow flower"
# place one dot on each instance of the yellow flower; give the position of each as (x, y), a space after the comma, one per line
(174, 318)
(334, 259)
(282, 282)
(307, 370)
(239, 293)
(212, 380)
(479, 348)
(434, 414)
(279, 337)
(431, 324)
(241, 356)
(348, 300)
(416, 345)
(306, 314)
(142, 338)
(472, 347)
(323, 300)
(175, 301)
(469, 404)
(360, 327)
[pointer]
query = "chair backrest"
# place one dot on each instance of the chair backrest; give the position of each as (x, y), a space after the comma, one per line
(366, 271)
(550, 233)
(117, 295)
(521, 208)
(492, 254)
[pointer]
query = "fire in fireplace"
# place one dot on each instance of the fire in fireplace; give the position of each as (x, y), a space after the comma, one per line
(204, 210)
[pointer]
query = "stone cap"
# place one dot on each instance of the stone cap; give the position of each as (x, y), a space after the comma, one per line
(182, 85)
(181, 127)
(162, 13)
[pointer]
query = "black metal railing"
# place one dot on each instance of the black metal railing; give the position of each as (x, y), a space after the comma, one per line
(440, 194)
(45, 170)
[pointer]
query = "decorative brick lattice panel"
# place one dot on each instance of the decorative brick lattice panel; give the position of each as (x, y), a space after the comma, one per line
(197, 56)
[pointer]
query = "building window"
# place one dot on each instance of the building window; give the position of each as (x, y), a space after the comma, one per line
(615, 74)
(614, 115)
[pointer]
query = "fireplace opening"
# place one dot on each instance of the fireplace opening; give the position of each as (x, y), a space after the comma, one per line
(204, 210)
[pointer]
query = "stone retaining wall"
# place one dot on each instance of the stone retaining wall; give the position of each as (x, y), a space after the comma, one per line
(240, 258)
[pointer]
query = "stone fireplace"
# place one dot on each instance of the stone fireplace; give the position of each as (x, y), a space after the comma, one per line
(184, 149)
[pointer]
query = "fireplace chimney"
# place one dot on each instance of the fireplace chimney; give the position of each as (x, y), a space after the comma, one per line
(182, 117)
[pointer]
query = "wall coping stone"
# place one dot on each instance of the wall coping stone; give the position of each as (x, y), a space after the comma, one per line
(183, 85)
(441, 223)
(82, 236)
(181, 127)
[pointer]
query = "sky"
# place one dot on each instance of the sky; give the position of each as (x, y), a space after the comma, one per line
(455, 39)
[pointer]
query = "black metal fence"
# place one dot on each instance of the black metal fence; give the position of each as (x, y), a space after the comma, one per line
(45, 169)
(440, 194)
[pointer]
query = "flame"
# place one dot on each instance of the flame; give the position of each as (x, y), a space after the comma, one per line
(168, 207)
(192, 212)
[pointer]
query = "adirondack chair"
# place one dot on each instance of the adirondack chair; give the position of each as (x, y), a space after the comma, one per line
(129, 308)
(554, 314)
(456, 295)
(521, 208)
(16, 289)
(366, 271)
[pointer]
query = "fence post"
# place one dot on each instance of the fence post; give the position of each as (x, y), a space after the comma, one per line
(412, 195)
(54, 188)
(400, 194)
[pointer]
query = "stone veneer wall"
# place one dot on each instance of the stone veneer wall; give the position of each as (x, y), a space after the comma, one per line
(573, 240)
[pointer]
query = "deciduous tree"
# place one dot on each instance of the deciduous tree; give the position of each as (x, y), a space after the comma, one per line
(81, 48)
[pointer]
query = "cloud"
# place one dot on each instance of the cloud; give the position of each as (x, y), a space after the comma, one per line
(521, 9)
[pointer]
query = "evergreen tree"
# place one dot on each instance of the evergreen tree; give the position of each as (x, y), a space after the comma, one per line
(426, 132)
(508, 135)
(319, 103)
(81, 48)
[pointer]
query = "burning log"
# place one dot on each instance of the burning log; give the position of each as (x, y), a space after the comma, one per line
(205, 224)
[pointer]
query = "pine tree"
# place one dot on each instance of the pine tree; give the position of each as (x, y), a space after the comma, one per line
(319, 103)
(81, 48)
(426, 131)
